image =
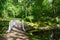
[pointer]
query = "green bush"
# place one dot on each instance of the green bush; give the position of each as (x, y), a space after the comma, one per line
(4, 23)
(3, 26)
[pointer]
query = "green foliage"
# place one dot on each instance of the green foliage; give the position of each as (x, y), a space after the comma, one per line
(40, 11)
(42, 35)
(3, 23)
(3, 27)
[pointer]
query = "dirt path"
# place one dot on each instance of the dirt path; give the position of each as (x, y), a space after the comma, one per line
(16, 34)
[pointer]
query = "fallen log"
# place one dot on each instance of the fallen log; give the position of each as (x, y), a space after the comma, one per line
(49, 28)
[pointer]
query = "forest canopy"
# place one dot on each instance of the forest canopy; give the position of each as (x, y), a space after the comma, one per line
(42, 12)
